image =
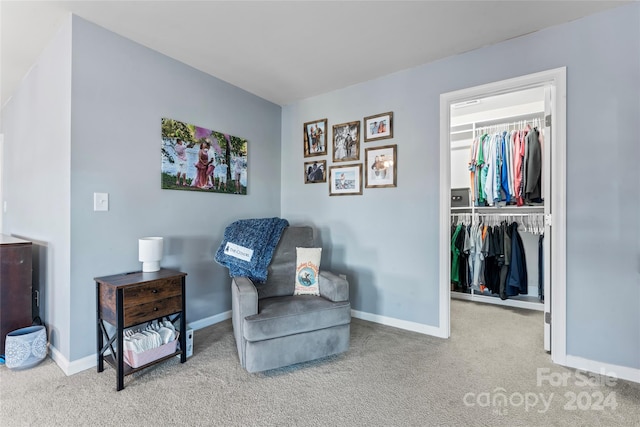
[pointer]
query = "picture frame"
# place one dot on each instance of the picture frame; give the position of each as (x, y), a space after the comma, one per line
(379, 126)
(196, 158)
(315, 138)
(346, 142)
(382, 166)
(315, 172)
(345, 180)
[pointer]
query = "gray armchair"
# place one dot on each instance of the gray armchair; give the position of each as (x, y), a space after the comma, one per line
(273, 328)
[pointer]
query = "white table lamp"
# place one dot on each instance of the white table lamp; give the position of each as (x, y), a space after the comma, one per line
(150, 253)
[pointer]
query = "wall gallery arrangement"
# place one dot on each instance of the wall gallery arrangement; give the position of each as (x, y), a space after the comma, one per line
(380, 164)
(199, 159)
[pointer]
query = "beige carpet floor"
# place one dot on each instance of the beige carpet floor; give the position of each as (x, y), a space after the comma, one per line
(492, 371)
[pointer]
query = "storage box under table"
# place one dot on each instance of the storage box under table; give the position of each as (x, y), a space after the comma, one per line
(135, 360)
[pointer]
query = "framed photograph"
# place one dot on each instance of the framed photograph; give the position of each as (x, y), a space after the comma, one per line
(346, 142)
(382, 169)
(345, 180)
(315, 172)
(200, 159)
(315, 138)
(378, 127)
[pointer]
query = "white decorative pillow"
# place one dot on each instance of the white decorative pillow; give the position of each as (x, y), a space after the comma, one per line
(307, 270)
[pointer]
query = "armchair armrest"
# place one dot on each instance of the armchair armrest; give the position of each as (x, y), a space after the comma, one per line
(333, 287)
(244, 298)
(244, 302)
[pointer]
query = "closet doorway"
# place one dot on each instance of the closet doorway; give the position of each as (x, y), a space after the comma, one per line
(493, 115)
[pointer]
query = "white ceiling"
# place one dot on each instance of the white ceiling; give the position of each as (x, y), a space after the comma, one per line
(285, 51)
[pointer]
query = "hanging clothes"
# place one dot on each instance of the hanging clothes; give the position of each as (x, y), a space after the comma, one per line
(491, 260)
(476, 257)
(495, 259)
(490, 169)
(504, 271)
(481, 173)
(505, 167)
(517, 279)
(541, 268)
(459, 255)
(455, 254)
(533, 160)
(463, 271)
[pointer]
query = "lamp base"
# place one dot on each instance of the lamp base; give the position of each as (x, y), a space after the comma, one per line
(150, 266)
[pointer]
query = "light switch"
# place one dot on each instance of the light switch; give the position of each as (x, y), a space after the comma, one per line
(100, 201)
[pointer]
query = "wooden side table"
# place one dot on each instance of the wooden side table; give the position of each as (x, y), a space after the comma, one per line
(129, 299)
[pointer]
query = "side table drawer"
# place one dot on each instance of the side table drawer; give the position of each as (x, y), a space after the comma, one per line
(139, 313)
(151, 291)
(151, 300)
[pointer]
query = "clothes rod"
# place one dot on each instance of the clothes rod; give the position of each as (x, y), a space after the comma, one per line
(519, 123)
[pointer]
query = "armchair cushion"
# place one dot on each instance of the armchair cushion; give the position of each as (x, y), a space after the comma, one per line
(290, 315)
(280, 280)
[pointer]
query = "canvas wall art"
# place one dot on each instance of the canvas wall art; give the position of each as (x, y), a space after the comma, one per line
(200, 159)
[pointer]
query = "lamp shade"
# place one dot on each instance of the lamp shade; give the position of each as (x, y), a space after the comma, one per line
(150, 253)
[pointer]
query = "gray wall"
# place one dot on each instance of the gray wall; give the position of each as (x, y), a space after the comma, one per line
(387, 239)
(36, 176)
(120, 91)
(87, 120)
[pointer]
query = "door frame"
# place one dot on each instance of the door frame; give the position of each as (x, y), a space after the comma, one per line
(557, 78)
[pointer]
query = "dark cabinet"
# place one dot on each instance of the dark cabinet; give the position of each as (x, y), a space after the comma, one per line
(15, 285)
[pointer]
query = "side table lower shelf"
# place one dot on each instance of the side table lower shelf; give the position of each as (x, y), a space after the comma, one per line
(128, 370)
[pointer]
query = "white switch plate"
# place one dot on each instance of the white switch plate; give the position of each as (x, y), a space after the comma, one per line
(100, 201)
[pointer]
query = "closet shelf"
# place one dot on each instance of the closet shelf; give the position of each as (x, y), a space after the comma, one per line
(497, 121)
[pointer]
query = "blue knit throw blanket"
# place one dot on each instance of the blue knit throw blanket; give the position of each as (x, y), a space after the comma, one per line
(248, 246)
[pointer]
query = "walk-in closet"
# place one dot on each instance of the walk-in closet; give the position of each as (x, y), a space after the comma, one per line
(497, 205)
(500, 145)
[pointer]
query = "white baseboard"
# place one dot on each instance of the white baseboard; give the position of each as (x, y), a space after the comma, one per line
(91, 361)
(70, 368)
(208, 321)
(622, 372)
(401, 324)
